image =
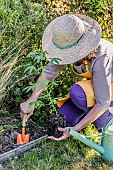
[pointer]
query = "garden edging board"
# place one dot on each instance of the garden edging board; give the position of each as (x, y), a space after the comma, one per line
(20, 149)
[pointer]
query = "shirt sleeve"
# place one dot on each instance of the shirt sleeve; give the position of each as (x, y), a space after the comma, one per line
(102, 77)
(51, 70)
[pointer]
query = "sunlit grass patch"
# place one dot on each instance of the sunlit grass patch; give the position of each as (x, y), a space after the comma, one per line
(64, 155)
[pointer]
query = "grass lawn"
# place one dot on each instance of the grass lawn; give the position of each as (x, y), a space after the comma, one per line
(70, 154)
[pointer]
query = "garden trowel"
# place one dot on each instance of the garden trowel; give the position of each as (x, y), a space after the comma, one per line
(23, 138)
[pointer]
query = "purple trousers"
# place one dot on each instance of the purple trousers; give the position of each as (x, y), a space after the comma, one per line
(76, 108)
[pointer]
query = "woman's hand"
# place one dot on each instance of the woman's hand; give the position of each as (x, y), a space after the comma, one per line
(64, 136)
(25, 110)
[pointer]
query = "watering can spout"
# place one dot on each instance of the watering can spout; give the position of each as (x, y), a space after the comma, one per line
(87, 141)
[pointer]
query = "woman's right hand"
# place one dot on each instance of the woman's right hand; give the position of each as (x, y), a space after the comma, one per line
(25, 110)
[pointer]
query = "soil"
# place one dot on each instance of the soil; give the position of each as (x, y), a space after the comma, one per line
(54, 121)
(10, 126)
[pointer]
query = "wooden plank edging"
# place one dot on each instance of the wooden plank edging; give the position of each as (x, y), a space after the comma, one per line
(20, 149)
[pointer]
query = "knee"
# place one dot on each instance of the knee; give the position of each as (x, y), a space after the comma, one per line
(72, 92)
(74, 95)
(77, 94)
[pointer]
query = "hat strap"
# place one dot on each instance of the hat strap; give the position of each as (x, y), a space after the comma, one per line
(65, 47)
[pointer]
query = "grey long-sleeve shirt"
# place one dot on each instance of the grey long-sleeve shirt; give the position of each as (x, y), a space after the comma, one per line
(101, 68)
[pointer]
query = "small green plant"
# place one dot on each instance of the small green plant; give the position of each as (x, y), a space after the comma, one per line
(5, 111)
(1, 129)
(38, 58)
(22, 25)
(35, 61)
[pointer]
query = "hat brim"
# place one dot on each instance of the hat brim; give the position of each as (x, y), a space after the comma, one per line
(88, 42)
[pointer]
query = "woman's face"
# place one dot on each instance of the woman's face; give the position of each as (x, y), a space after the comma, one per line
(88, 57)
(78, 63)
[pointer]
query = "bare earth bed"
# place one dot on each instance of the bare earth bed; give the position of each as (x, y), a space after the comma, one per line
(10, 126)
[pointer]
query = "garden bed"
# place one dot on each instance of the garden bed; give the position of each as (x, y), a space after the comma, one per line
(10, 126)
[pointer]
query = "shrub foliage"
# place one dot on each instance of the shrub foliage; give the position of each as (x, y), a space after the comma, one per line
(21, 56)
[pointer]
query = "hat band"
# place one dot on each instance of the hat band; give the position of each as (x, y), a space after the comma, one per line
(65, 47)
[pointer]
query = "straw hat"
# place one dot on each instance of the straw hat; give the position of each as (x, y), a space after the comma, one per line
(71, 37)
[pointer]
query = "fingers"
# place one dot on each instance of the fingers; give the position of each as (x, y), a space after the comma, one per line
(25, 110)
(64, 137)
(62, 129)
(56, 139)
(22, 115)
(30, 114)
(65, 130)
(25, 107)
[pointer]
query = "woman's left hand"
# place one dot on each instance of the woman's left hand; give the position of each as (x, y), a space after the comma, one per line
(64, 136)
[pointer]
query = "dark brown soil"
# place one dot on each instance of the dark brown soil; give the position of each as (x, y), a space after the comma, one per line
(55, 121)
(10, 126)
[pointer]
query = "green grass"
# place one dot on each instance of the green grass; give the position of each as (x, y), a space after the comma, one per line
(70, 154)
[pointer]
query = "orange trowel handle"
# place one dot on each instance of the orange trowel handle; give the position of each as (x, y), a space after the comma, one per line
(23, 134)
(23, 131)
(23, 126)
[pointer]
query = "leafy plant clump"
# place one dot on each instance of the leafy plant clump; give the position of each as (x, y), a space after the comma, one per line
(22, 24)
(22, 59)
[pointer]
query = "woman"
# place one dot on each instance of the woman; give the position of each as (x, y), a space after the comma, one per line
(77, 39)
